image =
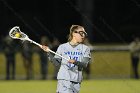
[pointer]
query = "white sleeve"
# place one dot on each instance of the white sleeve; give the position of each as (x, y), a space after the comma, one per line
(59, 51)
(87, 53)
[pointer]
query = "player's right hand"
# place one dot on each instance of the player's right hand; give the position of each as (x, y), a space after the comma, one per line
(45, 48)
(72, 61)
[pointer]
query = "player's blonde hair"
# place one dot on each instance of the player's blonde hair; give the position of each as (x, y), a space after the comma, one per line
(72, 29)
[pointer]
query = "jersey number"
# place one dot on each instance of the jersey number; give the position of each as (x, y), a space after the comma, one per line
(72, 65)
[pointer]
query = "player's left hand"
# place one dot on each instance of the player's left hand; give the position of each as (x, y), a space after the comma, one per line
(72, 61)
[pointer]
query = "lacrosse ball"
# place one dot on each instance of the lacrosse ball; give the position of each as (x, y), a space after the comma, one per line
(17, 35)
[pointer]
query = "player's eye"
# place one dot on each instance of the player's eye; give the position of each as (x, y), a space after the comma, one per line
(82, 33)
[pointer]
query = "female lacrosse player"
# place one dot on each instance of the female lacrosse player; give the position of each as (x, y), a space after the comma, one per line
(70, 72)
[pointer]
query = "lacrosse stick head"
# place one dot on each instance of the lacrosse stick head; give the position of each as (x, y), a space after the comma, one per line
(15, 33)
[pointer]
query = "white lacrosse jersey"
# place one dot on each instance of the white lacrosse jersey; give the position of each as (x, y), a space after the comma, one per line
(67, 70)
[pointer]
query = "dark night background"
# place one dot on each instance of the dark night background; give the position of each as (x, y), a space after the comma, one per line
(106, 21)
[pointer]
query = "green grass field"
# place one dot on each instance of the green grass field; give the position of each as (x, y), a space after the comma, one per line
(106, 65)
(88, 86)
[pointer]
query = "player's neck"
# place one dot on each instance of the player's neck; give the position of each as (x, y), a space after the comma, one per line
(73, 42)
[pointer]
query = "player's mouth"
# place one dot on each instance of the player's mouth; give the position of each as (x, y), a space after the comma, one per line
(82, 39)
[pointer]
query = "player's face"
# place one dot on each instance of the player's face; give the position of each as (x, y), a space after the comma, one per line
(80, 34)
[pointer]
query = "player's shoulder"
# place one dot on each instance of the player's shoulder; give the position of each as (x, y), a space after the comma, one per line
(84, 45)
(64, 44)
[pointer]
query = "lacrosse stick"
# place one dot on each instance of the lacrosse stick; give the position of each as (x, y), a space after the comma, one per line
(15, 33)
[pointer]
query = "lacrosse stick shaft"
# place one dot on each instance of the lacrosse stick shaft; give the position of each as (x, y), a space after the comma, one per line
(36, 43)
(49, 50)
(58, 55)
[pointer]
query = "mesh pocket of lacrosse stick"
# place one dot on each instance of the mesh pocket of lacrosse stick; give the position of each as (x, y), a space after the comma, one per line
(15, 33)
